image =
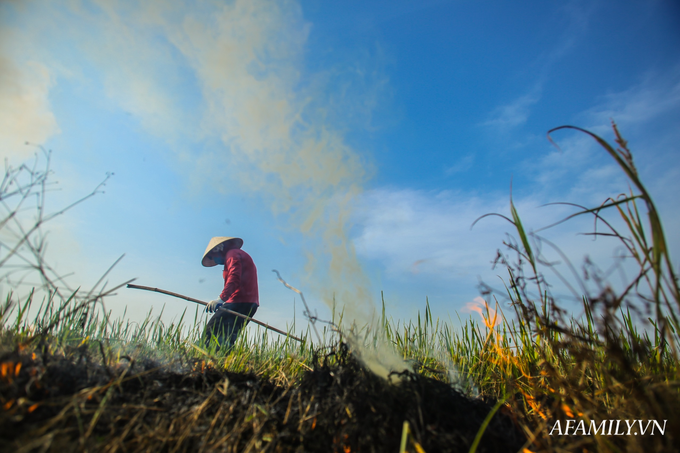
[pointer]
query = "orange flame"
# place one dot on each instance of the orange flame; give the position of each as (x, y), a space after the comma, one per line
(9, 370)
(480, 306)
(567, 411)
(535, 405)
(345, 448)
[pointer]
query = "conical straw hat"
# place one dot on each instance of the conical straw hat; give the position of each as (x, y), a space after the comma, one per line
(217, 243)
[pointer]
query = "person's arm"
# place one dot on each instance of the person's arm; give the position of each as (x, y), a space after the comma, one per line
(233, 278)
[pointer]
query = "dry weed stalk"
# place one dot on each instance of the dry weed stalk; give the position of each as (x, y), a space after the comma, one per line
(604, 365)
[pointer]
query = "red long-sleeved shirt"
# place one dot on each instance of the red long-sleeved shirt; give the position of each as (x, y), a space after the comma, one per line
(240, 278)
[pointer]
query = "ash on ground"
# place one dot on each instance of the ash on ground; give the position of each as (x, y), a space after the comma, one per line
(69, 401)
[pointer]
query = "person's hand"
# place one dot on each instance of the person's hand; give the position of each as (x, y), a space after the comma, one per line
(213, 305)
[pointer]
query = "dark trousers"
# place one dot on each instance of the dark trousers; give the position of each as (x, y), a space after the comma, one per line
(226, 326)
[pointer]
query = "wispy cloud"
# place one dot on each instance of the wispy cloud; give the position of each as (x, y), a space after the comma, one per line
(646, 114)
(462, 165)
(514, 114)
(655, 95)
(578, 15)
(427, 236)
(25, 111)
(574, 18)
(428, 233)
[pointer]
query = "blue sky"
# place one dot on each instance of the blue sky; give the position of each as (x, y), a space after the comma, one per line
(350, 144)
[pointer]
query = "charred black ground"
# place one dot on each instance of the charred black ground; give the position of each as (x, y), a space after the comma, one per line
(70, 401)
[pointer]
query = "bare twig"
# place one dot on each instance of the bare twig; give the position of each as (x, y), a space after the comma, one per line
(307, 313)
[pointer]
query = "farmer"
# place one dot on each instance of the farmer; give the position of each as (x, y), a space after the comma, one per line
(240, 289)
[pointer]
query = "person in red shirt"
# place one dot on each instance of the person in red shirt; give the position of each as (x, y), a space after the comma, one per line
(239, 294)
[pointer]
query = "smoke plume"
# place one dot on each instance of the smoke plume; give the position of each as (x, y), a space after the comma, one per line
(226, 84)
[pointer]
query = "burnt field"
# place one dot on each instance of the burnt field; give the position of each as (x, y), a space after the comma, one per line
(80, 400)
(524, 376)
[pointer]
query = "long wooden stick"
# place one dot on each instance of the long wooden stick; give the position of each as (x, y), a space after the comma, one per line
(191, 299)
